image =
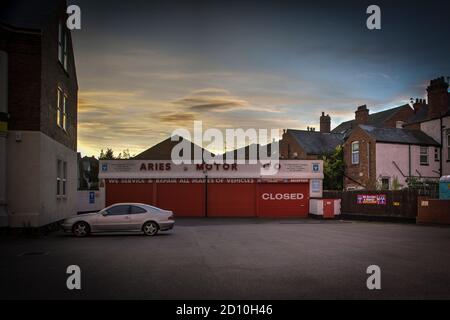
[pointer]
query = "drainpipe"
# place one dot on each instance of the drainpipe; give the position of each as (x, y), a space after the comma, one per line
(442, 143)
(409, 161)
(3, 135)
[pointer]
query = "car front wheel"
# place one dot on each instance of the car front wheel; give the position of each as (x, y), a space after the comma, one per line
(81, 229)
(150, 228)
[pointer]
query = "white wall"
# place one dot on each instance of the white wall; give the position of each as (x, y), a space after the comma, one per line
(432, 128)
(445, 154)
(387, 153)
(84, 205)
(31, 180)
(55, 208)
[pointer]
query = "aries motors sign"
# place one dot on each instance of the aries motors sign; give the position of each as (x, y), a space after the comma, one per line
(137, 169)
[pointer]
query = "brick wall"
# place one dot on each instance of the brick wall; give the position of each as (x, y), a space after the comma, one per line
(289, 146)
(24, 78)
(362, 173)
(54, 76)
(402, 115)
(34, 74)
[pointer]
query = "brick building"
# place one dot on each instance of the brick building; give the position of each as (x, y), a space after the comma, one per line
(39, 114)
(390, 118)
(387, 157)
(310, 144)
(434, 119)
(419, 138)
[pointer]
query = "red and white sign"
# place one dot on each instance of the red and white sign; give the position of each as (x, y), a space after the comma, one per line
(371, 199)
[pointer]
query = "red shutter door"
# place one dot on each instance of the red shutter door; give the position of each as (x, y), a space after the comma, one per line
(231, 200)
(184, 199)
(129, 192)
(283, 200)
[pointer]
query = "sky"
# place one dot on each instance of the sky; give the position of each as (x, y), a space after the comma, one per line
(146, 68)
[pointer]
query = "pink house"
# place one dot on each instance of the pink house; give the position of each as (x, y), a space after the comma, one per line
(386, 158)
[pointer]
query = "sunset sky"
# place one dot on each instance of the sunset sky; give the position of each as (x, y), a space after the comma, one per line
(146, 68)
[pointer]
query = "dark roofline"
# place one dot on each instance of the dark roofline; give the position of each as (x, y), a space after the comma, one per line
(447, 114)
(434, 144)
(406, 143)
(314, 131)
(12, 28)
(352, 124)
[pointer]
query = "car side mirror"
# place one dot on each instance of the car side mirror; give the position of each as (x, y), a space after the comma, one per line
(103, 213)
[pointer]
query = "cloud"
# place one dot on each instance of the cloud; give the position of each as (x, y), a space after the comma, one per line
(176, 117)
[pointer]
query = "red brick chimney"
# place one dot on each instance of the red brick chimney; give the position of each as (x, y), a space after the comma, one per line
(325, 123)
(362, 115)
(438, 100)
(418, 104)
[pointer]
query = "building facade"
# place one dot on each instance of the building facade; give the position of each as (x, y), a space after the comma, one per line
(388, 158)
(40, 129)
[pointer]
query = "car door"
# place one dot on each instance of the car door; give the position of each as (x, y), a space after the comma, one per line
(138, 216)
(116, 218)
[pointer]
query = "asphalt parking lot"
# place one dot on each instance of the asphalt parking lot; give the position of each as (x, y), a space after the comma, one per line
(234, 259)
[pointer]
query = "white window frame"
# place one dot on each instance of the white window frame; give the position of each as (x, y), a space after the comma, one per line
(58, 177)
(64, 179)
(424, 153)
(436, 154)
(62, 45)
(61, 178)
(355, 152)
(61, 110)
(388, 183)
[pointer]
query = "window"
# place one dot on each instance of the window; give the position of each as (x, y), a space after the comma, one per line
(355, 152)
(62, 45)
(137, 210)
(385, 183)
(61, 178)
(119, 210)
(64, 178)
(61, 110)
(423, 156)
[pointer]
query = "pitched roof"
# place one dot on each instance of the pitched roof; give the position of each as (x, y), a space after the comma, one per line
(422, 115)
(163, 150)
(234, 153)
(374, 119)
(400, 136)
(315, 142)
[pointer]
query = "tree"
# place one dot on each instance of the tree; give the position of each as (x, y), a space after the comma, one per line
(333, 169)
(108, 155)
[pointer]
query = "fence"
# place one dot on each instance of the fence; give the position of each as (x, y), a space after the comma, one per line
(381, 204)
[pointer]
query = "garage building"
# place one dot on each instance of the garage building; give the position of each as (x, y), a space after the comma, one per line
(214, 190)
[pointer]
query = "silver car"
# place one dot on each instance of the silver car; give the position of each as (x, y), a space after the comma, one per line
(121, 217)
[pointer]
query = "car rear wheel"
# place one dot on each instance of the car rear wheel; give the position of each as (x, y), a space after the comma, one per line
(150, 228)
(81, 229)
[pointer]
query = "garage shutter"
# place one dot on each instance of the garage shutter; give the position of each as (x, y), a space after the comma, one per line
(231, 200)
(129, 192)
(283, 199)
(185, 200)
